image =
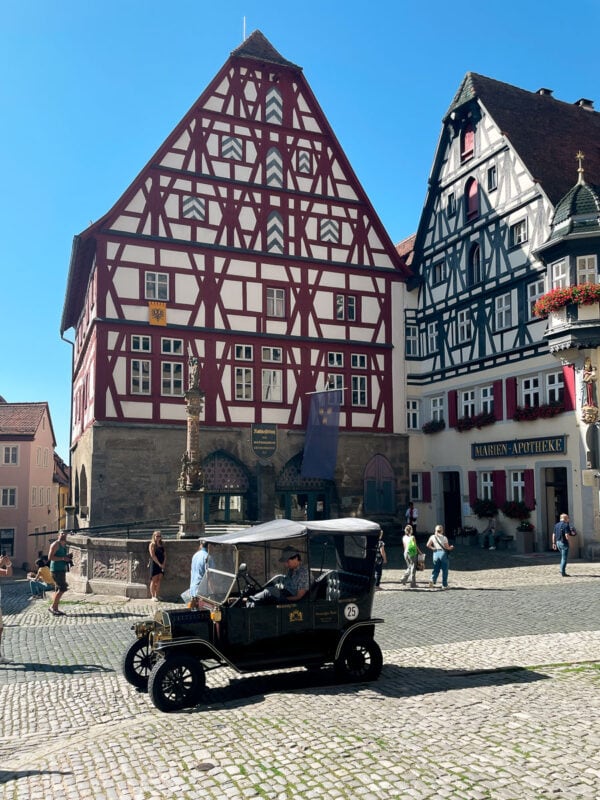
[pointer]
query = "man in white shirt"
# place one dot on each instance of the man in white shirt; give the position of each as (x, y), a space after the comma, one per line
(412, 515)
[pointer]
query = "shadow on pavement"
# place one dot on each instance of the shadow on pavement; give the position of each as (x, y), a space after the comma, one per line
(63, 669)
(6, 776)
(394, 682)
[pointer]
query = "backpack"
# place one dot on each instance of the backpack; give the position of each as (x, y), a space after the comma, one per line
(412, 549)
(379, 554)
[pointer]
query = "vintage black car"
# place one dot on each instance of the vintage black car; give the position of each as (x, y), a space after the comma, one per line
(330, 625)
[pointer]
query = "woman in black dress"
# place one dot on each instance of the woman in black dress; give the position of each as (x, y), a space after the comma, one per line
(158, 559)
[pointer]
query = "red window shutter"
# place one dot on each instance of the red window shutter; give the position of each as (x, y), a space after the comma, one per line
(498, 405)
(426, 486)
(511, 397)
(472, 199)
(499, 480)
(472, 487)
(569, 381)
(529, 494)
(452, 408)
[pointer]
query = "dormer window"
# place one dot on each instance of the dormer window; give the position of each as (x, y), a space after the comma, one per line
(467, 142)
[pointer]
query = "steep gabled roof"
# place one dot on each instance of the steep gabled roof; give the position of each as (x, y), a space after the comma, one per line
(546, 133)
(258, 46)
(22, 419)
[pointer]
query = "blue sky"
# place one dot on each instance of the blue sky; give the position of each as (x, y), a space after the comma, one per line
(89, 91)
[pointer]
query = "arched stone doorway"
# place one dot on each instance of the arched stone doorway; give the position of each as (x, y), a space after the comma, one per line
(301, 498)
(226, 488)
(380, 487)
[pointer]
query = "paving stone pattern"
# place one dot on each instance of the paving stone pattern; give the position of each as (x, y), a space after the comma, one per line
(489, 691)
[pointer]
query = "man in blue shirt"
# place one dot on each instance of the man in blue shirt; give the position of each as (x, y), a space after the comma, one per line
(294, 585)
(198, 568)
(560, 541)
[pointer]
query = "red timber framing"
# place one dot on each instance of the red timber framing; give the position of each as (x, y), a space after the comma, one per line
(248, 242)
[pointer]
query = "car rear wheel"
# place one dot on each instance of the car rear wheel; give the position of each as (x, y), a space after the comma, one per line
(137, 663)
(359, 660)
(176, 682)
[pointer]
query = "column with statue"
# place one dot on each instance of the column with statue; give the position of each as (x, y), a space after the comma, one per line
(190, 486)
(589, 402)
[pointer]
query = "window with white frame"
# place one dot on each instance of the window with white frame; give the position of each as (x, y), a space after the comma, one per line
(335, 381)
(275, 302)
(359, 390)
(171, 378)
(171, 347)
(517, 485)
(358, 361)
(412, 415)
(157, 286)
(38, 456)
(243, 383)
(503, 311)
(345, 307)
(141, 344)
(140, 376)
(8, 496)
(486, 485)
(34, 495)
(335, 360)
(7, 541)
(271, 385)
(467, 403)
(244, 352)
(412, 340)
(530, 391)
(451, 205)
(432, 337)
(492, 178)
(486, 399)
(534, 291)
(555, 387)
(463, 326)
(439, 272)
(272, 354)
(560, 277)
(10, 455)
(518, 233)
(437, 408)
(416, 486)
(586, 269)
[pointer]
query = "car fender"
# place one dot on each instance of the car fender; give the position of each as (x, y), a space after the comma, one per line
(351, 631)
(193, 644)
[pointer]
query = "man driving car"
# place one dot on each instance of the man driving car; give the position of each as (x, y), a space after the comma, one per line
(295, 581)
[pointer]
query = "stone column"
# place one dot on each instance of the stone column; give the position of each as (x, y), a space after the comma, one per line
(190, 486)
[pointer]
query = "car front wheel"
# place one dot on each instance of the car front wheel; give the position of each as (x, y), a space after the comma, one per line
(176, 682)
(359, 660)
(137, 663)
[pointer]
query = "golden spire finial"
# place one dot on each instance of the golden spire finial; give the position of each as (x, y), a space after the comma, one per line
(580, 158)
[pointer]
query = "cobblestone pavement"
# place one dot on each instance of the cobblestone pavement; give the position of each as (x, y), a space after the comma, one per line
(489, 690)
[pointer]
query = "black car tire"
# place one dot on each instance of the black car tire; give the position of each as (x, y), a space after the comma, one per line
(176, 682)
(359, 660)
(137, 663)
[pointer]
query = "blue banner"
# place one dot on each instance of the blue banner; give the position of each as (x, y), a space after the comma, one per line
(320, 445)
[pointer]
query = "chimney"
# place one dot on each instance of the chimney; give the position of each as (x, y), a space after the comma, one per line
(545, 92)
(585, 103)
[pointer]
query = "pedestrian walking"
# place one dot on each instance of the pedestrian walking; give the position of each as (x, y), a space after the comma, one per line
(158, 560)
(412, 515)
(380, 559)
(560, 541)
(411, 555)
(6, 571)
(441, 547)
(60, 562)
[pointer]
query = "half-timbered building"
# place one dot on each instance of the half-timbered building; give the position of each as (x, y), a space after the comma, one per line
(492, 415)
(247, 243)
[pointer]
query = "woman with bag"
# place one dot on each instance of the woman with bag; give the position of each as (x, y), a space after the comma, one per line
(441, 547)
(411, 555)
(380, 560)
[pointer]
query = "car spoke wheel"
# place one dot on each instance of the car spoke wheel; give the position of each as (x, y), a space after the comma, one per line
(176, 682)
(360, 660)
(137, 663)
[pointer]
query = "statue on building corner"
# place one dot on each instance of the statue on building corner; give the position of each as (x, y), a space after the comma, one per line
(589, 403)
